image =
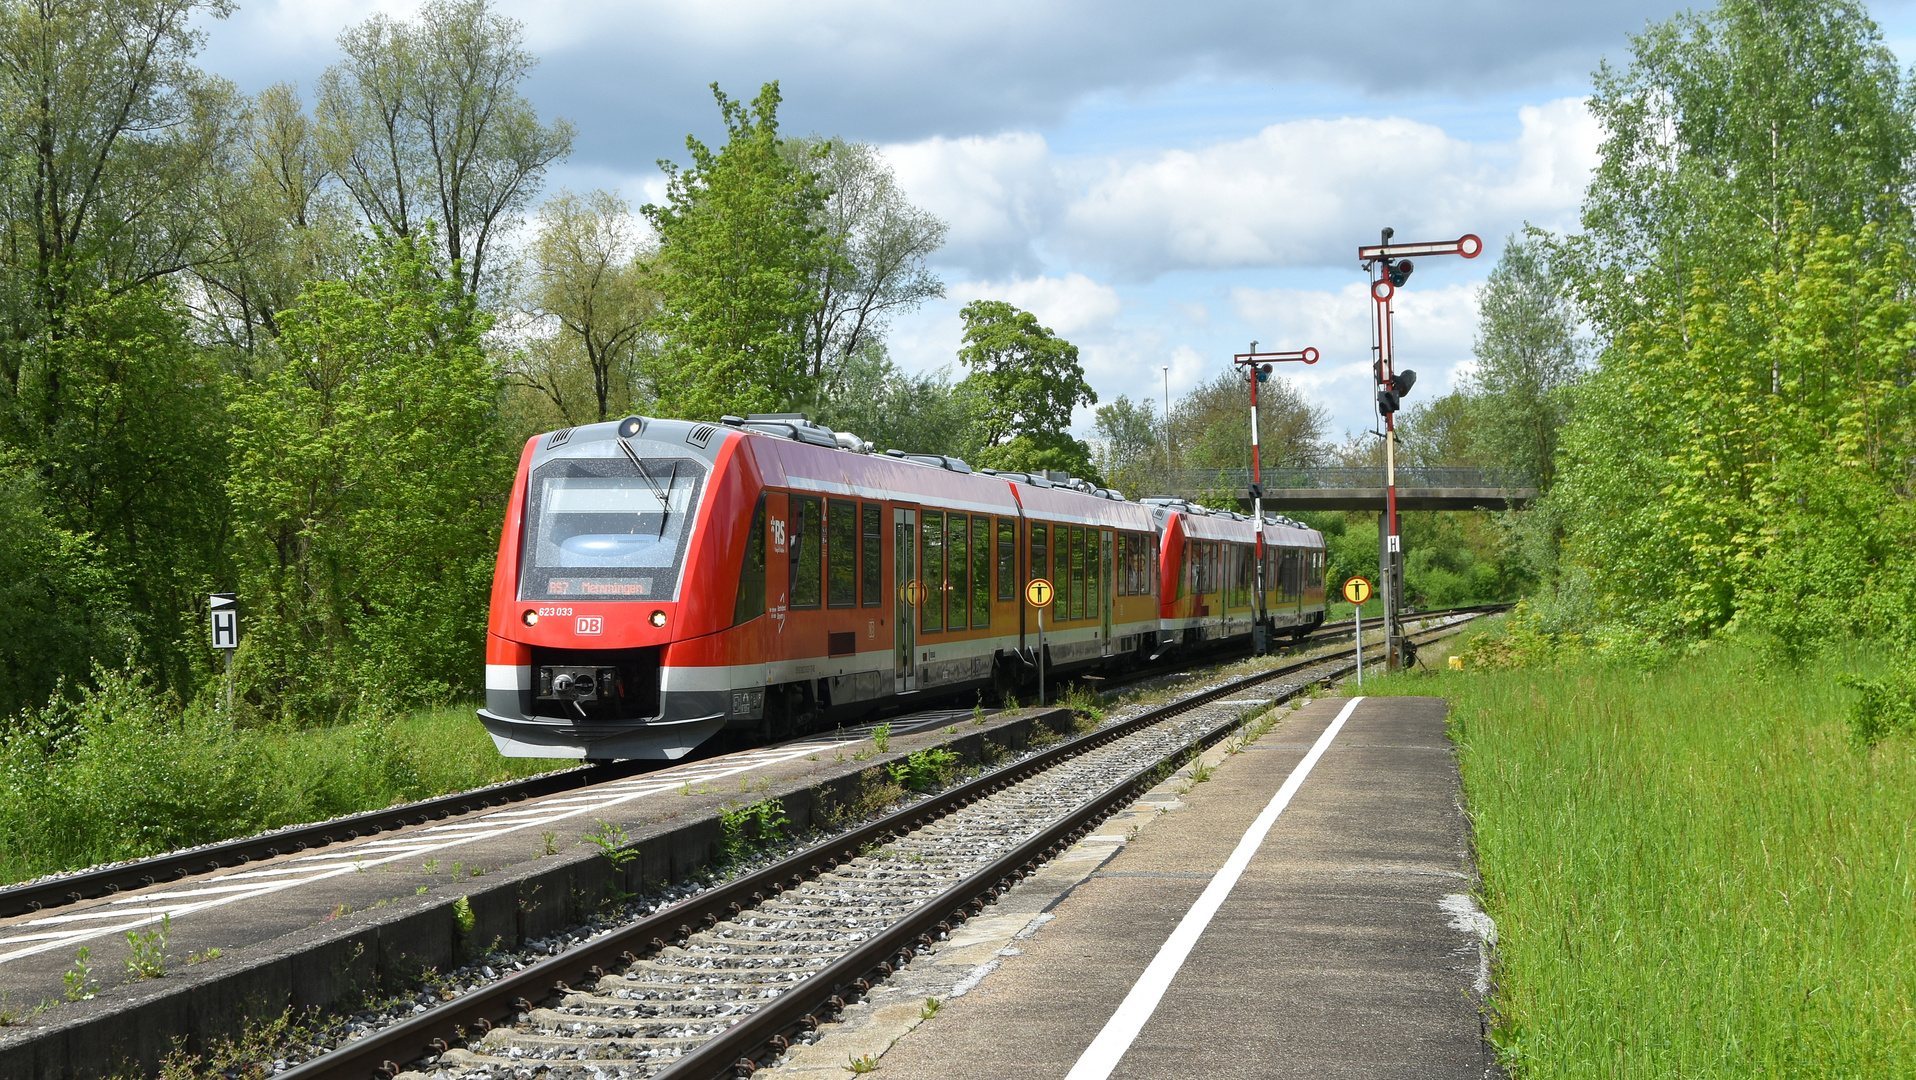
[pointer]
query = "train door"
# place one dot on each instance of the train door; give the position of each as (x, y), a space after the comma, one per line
(1105, 589)
(905, 618)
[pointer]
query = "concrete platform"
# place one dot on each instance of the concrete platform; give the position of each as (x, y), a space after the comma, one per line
(321, 927)
(1349, 947)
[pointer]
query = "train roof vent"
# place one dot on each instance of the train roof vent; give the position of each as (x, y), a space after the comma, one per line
(848, 441)
(937, 461)
(792, 426)
(1034, 479)
(1057, 477)
(701, 435)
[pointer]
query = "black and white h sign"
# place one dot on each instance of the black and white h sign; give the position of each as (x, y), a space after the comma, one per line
(225, 613)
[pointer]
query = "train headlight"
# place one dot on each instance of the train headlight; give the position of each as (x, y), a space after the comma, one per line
(530, 618)
(658, 618)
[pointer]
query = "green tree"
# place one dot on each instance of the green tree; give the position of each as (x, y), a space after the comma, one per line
(743, 248)
(1026, 382)
(1211, 425)
(1740, 145)
(869, 396)
(591, 287)
(367, 487)
(1130, 453)
(60, 605)
(135, 460)
(1725, 127)
(1527, 360)
(1441, 431)
(882, 242)
(423, 122)
(111, 132)
(277, 221)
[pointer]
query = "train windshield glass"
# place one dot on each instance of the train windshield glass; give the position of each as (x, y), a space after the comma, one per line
(601, 529)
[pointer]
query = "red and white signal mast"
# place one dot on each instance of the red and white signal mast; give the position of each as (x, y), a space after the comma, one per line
(1259, 367)
(1389, 266)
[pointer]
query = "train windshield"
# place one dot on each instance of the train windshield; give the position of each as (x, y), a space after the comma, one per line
(608, 529)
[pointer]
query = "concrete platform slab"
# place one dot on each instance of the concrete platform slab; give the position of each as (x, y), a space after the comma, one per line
(1349, 946)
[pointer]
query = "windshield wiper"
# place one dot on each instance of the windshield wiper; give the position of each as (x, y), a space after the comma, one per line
(665, 504)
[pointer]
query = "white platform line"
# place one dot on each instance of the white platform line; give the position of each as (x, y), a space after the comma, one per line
(1105, 1051)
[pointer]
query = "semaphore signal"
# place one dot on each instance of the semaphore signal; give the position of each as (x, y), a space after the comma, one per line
(1390, 268)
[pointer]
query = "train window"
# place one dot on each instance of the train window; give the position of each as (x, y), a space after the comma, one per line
(1123, 582)
(931, 562)
(1040, 565)
(596, 529)
(871, 567)
(1077, 573)
(981, 571)
(1093, 572)
(751, 574)
(1007, 559)
(1151, 566)
(804, 538)
(841, 553)
(958, 576)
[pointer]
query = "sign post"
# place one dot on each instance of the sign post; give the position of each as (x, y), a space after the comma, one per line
(1259, 365)
(1038, 595)
(223, 611)
(1356, 591)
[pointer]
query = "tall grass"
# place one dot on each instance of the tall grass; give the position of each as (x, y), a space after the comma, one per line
(1694, 872)
(124, 772)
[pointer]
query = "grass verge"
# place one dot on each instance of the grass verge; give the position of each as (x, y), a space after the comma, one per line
(124, 772)
(1694, 872)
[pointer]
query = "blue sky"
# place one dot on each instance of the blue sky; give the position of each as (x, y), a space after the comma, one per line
(1159, 183)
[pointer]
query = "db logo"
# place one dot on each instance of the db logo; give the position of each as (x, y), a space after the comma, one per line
(591, 624)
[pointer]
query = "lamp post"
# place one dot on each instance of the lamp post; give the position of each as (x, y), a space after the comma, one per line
(1390, 267)
(1258, 367)
(1167, 427)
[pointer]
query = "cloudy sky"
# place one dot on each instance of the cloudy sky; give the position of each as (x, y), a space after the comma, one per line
(1160, 183)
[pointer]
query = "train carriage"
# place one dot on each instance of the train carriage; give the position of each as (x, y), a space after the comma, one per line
(660, 581)
(1208, 585)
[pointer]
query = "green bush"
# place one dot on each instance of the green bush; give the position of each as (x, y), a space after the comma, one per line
(124, 771)
(745, 831)
(923, 770)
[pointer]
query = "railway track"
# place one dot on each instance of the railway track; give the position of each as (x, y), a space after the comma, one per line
(730, 978)
(58, 890)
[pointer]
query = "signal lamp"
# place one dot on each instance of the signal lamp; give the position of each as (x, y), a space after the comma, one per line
(1264, 373)
(1400, 273)
(658, 618)
(630, 426)
(530, 618)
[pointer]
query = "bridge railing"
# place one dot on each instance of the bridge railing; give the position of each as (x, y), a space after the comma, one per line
(1413, 476)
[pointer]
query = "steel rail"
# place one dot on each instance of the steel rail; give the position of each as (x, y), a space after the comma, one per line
(70, 888)
(441, 1027)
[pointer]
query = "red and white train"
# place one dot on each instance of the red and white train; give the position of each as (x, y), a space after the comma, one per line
(662, 580)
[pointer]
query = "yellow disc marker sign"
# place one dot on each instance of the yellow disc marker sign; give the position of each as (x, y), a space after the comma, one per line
(1038, 593)
(914, 592)
(1357, 590)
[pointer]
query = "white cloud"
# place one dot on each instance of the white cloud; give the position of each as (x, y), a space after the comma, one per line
(1300, 193)
(1070, 305)
(997, 194)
